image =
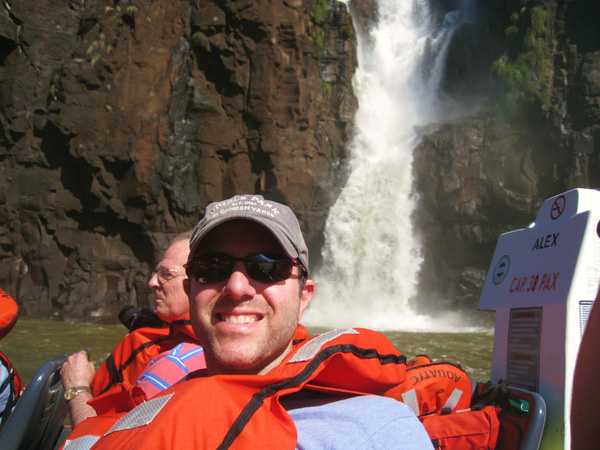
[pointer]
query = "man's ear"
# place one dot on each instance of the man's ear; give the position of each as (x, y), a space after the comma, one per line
(186, 286)
(307, 294)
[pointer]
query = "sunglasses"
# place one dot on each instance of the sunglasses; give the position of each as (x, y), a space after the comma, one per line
(260, 267)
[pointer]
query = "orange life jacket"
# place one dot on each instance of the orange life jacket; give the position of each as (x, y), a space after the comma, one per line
(9, 313)
(131, 356)
(241, 411)
(440, 393)
(16, 387)
(433, 386)
(473, 429)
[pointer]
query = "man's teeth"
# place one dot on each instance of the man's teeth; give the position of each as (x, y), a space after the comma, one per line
(238, 319)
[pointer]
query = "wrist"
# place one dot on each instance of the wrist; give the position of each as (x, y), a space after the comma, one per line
(71, 392)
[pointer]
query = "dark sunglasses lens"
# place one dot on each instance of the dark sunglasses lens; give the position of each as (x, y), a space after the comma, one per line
(210, 269)
(264, 268)
(268, 268)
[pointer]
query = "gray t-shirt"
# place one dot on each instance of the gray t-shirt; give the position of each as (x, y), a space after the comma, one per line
(360, 423)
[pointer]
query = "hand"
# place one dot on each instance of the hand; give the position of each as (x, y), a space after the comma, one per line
(77, 370)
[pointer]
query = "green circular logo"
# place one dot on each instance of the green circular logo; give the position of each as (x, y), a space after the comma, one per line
(501, 269)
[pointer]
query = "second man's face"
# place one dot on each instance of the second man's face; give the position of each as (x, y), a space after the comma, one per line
(171, 299)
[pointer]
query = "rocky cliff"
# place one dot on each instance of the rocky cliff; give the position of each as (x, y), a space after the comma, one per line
(121, 120)
(513, 144)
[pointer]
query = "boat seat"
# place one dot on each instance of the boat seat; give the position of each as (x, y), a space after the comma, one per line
(37, 421)
(522, 423)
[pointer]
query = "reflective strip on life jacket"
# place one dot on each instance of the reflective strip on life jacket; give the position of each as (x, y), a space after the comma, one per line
(141, 415)
(453, 400)
(81, 443)
(309, 350)
(410, 398)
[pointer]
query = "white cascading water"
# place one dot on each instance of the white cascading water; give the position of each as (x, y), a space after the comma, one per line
(372, 254)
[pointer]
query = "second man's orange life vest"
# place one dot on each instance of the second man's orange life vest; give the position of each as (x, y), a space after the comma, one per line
(239, 411)
(131, 356)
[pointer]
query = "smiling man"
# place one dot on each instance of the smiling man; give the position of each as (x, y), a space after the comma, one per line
(248, 285)
(247, 289)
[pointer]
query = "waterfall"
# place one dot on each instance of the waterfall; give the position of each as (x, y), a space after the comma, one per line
(372, 254)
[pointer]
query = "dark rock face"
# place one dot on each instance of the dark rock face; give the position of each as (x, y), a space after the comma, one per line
(120, 121)
(488, 171)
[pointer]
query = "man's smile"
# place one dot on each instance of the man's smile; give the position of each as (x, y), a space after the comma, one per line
(239, 318)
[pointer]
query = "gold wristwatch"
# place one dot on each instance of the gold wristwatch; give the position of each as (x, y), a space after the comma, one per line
(72, 392)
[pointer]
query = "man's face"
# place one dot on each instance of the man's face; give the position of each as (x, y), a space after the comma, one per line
(171, 300)
(244, 325)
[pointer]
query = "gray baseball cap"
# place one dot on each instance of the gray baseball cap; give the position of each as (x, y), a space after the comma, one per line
(277, 218)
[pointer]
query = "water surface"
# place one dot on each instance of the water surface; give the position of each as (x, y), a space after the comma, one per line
(32, 342)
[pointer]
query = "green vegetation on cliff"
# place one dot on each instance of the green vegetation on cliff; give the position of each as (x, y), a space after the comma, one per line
(318, 11)
(526, 62)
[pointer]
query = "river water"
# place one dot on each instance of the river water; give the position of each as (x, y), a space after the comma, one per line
(32, 342)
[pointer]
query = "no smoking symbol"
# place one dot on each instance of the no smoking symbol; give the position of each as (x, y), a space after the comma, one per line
(558, 207)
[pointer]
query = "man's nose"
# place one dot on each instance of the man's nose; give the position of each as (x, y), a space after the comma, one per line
(153, 281)
(239, 285)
